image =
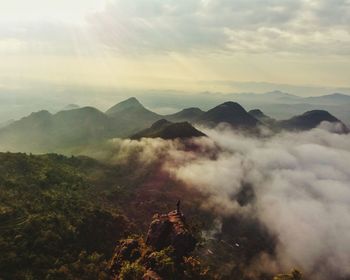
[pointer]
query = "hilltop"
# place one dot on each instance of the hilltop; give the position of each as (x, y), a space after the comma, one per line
(168, 130)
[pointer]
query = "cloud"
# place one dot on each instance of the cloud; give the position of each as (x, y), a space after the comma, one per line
(301, 26)
(215, 26)
(301, 183)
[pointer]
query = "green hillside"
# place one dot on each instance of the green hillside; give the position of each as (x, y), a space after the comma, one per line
(52, 226)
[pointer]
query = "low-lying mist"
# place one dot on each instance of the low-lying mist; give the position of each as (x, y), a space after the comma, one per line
(300, 182)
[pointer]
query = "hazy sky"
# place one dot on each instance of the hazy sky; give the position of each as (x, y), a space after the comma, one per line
(191, 45)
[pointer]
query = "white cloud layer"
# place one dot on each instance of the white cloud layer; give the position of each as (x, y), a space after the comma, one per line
(302, 186)
(301, 183)
(291, 26)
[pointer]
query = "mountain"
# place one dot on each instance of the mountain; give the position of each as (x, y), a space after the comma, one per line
(268, 97)
(6, 123)
(283, 105)
(168, 130)
(69, 213)
(131, 109)
(130, 116)
(70, 107)
(32, 133)
(80, 126)
(309, 120)
(189, 115)
(330, 99)
(259, 115)
(165, 230)
(42, 131)
(55, 202)
(45, 132)
(280, 94)
(231, 113)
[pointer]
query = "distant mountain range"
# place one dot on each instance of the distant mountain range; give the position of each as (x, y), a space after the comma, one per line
(287, 98)
(70, 107)
(46, 132)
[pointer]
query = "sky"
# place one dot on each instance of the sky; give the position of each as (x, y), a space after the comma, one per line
(190, 45)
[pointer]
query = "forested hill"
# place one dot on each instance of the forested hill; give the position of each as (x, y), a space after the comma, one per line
(52, 226)
(61, 217)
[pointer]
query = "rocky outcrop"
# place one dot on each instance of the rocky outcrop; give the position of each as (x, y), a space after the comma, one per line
(171, 230)
(162, 256)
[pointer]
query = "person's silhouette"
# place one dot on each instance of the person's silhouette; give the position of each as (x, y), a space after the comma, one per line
(178, 206)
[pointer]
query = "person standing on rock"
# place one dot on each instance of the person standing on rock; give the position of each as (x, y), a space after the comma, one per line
(178, 206)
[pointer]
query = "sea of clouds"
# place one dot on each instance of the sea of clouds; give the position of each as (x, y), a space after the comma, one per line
(301, 182)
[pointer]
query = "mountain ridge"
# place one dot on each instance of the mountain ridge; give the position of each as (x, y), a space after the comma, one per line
(43, 131)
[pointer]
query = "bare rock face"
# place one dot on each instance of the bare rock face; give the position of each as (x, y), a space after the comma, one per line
(171, 230)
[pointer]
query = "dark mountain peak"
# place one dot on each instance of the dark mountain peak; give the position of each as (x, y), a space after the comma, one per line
(130, 116)
(167, 130)
(311, 119)
(160, 124)
(257, 113)
(191, 110)
(130, 103)
(321, 115)
(88, 109)
(79, 112)
(232, 106)
(188, 114)
(231, 113)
